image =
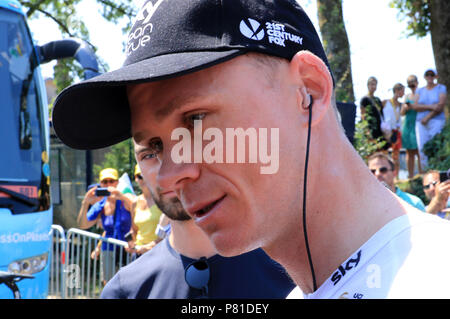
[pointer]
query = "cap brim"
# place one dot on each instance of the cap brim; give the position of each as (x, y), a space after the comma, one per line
(81, 110)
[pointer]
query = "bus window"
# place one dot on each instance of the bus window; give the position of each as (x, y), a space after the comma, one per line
(24, 170)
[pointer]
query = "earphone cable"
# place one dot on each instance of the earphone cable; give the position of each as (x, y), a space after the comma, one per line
(304, 198)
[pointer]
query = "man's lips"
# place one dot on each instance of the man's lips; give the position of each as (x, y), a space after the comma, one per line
(203, 208)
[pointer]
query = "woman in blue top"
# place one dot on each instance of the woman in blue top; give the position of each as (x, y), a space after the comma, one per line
(430, 118)
(114, 213)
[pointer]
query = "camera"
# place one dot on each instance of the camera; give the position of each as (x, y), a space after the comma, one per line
(102, 191)
(443, 176)
(129, 236)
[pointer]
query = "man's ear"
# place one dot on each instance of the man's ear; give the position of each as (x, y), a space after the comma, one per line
(314, 81)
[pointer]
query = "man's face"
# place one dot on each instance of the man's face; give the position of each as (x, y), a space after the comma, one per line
(168, 202)
(372, 86)
(430, 77)
(382, 170)
(429, 183)
(412, 83)
(238, 207)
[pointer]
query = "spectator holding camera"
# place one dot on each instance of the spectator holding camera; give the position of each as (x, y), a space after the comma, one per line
(437, 192)
(88, 200)
(112, 208)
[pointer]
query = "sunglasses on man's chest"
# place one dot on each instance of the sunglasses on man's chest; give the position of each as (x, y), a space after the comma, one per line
(197, 275)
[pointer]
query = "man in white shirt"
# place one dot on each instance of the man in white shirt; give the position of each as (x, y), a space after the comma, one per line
(211, 67)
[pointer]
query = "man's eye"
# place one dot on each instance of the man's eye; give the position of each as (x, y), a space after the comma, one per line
(149, 156)
(154, 149)
(190, 119)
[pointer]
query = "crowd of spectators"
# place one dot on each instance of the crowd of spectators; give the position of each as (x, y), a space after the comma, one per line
(407, 122)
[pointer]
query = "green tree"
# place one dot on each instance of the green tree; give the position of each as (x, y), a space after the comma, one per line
(430, 17)
(364, 144)
(120, 157)
(67, 71)
(64, 14)
(438, 150)
(337, 48)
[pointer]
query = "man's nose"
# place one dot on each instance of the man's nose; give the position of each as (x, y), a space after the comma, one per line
(432, 189)
(378, 174)
(173, 176)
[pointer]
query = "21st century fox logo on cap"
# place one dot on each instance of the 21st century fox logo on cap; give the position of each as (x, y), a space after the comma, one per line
(252, 29)
(276, 32)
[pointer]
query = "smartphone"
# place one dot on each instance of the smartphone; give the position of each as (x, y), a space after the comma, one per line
(128, 236)
(102, 191)
(443, 176)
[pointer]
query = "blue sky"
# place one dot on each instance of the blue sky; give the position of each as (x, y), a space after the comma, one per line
(378, 43)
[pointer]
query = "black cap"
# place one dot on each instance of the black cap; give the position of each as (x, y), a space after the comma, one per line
(175, 37)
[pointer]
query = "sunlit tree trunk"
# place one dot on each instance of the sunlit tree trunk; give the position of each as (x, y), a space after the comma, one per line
(335, 41)
(440, 39)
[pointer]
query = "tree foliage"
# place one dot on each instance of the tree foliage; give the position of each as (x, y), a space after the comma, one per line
(66, 71)
(64, 14)
(438, 150)
(120, 157)
(413, 186)
(417, 13)
(364, 144)
(431, 17)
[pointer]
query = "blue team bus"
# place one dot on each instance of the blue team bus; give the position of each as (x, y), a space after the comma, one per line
(25, 204)
(25, 209)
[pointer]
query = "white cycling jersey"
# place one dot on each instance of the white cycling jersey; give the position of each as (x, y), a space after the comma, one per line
(407, 258)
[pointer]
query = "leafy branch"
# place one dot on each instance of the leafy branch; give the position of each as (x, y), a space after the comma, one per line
(64, 14)
(417, 13)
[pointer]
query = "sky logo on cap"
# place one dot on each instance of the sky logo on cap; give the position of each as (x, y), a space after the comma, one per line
(147, 11)
(142, 28)
(252, 29)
